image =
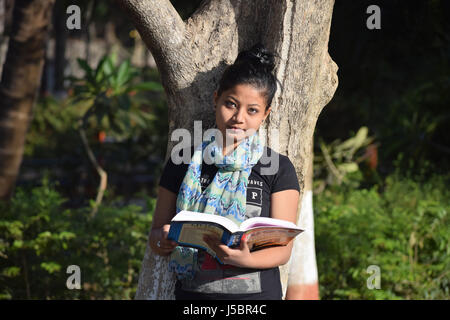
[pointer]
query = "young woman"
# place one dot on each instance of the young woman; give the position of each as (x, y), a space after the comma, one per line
(236, 189)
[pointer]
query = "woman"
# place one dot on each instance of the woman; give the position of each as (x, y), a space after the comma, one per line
(236, 189)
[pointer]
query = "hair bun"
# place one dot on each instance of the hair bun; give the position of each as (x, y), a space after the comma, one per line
(259, 56)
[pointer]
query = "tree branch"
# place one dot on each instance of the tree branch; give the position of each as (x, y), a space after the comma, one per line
(159, 25)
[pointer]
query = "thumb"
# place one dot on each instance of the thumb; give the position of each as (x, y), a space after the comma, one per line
(165, 231)
(244, 242)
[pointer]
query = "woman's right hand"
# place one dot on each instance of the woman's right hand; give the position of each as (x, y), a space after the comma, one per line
(159, 236)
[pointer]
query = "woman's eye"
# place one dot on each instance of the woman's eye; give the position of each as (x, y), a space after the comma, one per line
(229, 104)
(253, 110)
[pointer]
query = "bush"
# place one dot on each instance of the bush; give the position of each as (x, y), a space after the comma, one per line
(403, 229)
(40, 239)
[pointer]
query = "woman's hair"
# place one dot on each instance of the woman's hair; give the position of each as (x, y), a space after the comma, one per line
(253, 67)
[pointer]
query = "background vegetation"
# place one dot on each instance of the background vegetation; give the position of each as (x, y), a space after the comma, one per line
(380, 171)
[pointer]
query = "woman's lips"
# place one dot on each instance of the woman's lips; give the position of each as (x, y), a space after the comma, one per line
(235, 129)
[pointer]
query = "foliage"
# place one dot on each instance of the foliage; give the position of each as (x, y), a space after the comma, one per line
(343, 162)
(40, 239)
(52, 131)
(395, 82)
(108, 90)
(137, 150)
(403, 229)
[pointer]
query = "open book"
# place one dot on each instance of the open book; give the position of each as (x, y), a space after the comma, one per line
(187, 228)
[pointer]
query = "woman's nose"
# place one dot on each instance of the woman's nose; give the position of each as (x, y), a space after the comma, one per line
(239, 115)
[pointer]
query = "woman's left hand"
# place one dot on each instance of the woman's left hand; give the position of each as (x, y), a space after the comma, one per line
(240, 257)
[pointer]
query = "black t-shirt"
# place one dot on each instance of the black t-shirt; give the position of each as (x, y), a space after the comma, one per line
(215, 281)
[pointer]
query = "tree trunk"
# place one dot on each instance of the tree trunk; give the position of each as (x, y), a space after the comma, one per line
(7, 20)
(2, 18)
(60, 32)
(20, 83)
(191, 55)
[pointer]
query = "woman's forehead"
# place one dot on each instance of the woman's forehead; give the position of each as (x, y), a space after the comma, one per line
(244, 92)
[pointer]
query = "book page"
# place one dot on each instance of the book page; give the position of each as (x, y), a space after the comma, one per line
(267, 237)
(192, 233)
(267, 222)
(187, 216)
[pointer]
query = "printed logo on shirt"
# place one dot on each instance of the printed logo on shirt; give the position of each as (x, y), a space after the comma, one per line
(252, 182)
(254, 196)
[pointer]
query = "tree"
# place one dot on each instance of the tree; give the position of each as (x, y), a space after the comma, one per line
(6, 7)
(20, 83)
(192, 54)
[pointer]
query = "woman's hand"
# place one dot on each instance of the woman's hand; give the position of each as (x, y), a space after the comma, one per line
(240, 257)
(159, 242)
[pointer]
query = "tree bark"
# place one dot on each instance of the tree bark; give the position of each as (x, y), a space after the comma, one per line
(60, 32)
(2, 18)
(191, 55)
(6, 22)
(20, 84)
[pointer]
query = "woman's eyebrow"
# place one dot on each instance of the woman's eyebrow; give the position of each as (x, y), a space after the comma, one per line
(254, 104)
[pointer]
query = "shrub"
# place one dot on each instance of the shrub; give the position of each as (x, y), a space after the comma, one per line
(403, 229)
(40, 239)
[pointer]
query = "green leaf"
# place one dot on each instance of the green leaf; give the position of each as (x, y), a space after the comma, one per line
(348, 167)
(84, 65)
(51, 267)
(137, 118)
(17, 244)
(11, 272)
(66, 235)
(147, 116)
(108, 66)
(14, 228)
(45, 234)
(123, 74)
(101, 70)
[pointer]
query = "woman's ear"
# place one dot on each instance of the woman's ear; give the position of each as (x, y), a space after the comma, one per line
(266, 114)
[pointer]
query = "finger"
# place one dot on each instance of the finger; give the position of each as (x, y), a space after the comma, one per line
(165, 230)
(165, 234)
(244, 242)
(167, 244)
(164, 241)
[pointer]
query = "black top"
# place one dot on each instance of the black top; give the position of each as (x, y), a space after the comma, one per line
(215, 281)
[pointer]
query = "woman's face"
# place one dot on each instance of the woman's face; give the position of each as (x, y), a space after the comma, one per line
(239, 109)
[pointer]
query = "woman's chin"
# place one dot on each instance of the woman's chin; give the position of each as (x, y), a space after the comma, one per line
(236, 136)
